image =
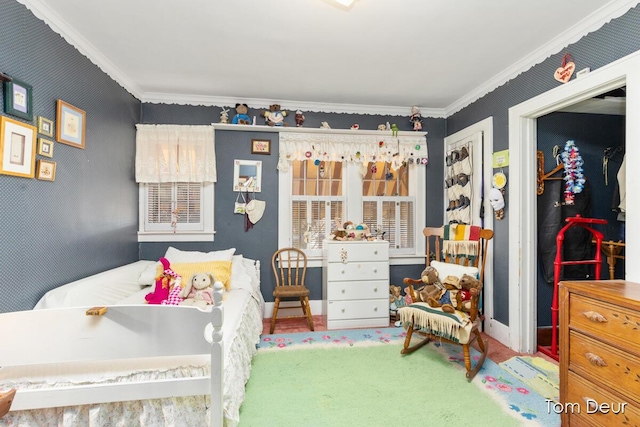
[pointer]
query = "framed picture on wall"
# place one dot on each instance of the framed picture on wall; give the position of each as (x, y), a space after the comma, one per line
(260, 146)
(46, 170)
(18, 148)
(18, 99)
(45, 126)
(45, 147)
(70, 124)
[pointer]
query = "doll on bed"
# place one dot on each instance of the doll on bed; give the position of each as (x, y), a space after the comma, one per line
(165, 283)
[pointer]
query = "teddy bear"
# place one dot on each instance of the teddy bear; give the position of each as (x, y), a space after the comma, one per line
(241, 117)
(469, 286)
(275, 117)
(447, 297)
(198, 290)
(164, 283)
(432, 287)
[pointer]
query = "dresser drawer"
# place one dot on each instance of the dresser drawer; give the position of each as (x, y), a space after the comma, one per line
(357, 251)
(358, 271)
(601, 363)
(358, 290)
(605, 321)
(363, 309)
(579, 391)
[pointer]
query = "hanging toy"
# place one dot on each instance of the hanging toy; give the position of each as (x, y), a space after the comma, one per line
(573, 172)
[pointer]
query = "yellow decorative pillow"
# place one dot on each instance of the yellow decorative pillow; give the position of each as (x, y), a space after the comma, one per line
(221, 270)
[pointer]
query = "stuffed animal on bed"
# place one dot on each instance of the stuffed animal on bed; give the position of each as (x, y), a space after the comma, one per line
(198, 290)
(163, 284)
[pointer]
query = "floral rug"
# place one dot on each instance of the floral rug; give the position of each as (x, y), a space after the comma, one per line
(514, 395)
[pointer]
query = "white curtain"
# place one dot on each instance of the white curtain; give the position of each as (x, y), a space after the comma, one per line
(352, 147)
(175, 153)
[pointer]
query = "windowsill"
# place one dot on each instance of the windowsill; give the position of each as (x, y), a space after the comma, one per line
(397, 260)
(175, 237)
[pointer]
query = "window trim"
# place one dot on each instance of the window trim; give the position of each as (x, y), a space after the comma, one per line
(206, 235)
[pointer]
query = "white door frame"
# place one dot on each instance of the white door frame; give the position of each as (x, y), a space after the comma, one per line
(494, 329)
(522, 182)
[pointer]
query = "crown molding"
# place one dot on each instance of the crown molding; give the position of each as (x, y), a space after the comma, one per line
(593, 22)
(224, 101)
(60, 26)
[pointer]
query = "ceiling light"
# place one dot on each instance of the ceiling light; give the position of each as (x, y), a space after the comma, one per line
(342, 4)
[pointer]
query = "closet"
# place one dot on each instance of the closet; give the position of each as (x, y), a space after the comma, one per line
(597, 129)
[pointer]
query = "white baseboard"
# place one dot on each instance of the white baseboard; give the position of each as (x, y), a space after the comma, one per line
(284, 310)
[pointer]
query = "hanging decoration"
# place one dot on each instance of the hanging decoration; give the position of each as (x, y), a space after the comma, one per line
(563, 74)
(573, 172)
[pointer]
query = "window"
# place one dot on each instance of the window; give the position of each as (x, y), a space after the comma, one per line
(318, 197)
(176, 211)
(175, 169)
(317, 203)
(387, 204)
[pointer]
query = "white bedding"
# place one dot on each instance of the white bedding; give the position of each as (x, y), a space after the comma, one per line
(241, 330)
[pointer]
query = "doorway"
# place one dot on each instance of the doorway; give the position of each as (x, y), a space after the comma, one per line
(522, 152)
(594, 131)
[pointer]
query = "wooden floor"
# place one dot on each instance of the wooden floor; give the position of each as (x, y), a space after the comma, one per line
(497, 351)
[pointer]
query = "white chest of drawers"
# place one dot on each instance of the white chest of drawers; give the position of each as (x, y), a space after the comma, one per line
(355, 283)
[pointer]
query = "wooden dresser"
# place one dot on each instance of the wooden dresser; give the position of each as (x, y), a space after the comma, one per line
(355, 283)
(599, 353)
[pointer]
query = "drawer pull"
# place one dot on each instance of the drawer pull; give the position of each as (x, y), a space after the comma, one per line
(595, 359)
(375, 270)
(375, 309)
(342, 271)
(592, 404)
(375, 289)
(343, 255)
(343, 310)
(594, 316)
(375, 252)
(344, 290)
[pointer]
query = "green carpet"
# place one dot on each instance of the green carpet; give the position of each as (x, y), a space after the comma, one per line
(370, 385)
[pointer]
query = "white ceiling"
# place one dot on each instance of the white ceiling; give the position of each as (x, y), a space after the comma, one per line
(378, 57)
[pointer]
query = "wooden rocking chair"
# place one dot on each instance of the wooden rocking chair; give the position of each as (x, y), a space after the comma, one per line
(465, 325)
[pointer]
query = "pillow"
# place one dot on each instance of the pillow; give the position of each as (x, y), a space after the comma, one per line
(449, 269)
(221, 270)
(176, 255)
(240, 279)
(148, 276)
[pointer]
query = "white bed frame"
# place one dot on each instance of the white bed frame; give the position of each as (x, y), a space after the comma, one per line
(107, 333)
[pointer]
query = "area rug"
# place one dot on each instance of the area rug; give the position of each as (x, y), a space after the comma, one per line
(359, 377)
(537, 373)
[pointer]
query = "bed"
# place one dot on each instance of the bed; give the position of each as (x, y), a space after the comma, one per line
(137, 364)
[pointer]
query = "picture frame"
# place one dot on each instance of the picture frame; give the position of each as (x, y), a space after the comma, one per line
(261, 146)
(46, 170)
(70, 124)
(45, 147)
(45, 126)
(18, 99)
(247, 175)
(17, 148)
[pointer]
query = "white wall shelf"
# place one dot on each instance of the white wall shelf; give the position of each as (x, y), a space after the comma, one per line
(264, 128)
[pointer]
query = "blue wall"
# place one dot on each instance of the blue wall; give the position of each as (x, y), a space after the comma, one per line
(86, 220)
(614, 40)
(261, 241)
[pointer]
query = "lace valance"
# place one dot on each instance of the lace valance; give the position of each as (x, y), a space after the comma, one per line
(175, 153)
(353, 147)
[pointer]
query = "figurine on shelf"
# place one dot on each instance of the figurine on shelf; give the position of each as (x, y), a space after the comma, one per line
(394, 130)
(241, 117)
(416, 118)
(325, 125)
(382, 127)
(299, 118)
(224, 115)
(275, 116)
